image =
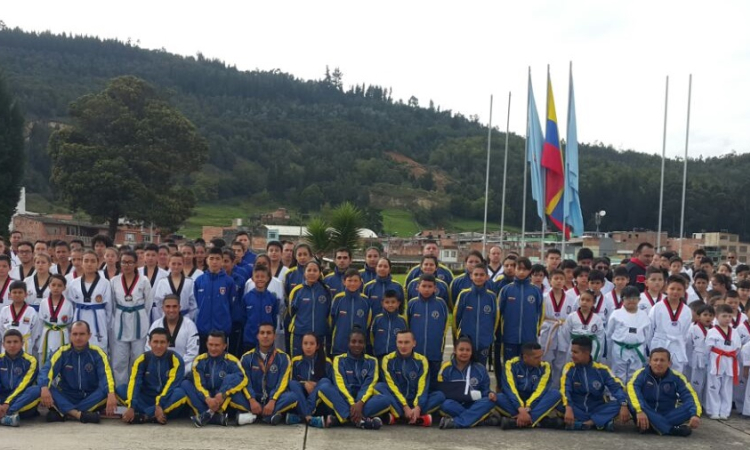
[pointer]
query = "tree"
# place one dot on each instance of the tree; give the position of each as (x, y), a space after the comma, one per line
(127, 154)
(346, 223)
(318, 236)
(12, 159)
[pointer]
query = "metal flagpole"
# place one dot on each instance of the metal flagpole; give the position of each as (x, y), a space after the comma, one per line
(505, 175)
(525, 171)
(663, 159)
(565, 165)
(487, 183)
(684, 170)
(544, 176)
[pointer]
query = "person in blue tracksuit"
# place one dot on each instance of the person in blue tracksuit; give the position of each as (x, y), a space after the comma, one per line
(214, 293)
(261, 306)
(662, 399)
(335, 280)
(582, 386)
(349, 308)
(352, 395)
(527, 397)
(477, 403)
(231, 260)
(18, 372)
(463, 281)
(268, 372)
(521, 315)
(369, 272)
(154, 389)
(427, 317)
(430, 248)
(308, 369)
(476, 314)
(376, 288)
(77, 380)
(442, 289)
(218, 382)
(309, 307)
(406, 382)
(234, 266)
(248, 258)
(295, 276)
(386, 325)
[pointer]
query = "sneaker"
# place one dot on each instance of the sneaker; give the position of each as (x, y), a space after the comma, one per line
(246, 418)
(371, 423)
(682, 430)
(316, 422)
(11, 420)
(202, 419)
(391, 419)
(578, 426)
(332, 421)
(508, 423)
(276, 419)
(221, 419)
(714, 417)
(53, 415)
(609, 426)
(723, 417)
(424, 420)
(89, 417)
(293, 419)
(377, 423)
(554, 423)
(491, 421)
(446, 423)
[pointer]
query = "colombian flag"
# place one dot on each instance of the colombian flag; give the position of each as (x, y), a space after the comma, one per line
(552, 162)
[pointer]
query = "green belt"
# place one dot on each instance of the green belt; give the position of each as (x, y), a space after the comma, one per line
(594, 339)
(636, 347)
(45, 343)
(130, 309)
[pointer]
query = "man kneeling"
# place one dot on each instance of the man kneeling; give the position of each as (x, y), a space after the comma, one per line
(654, 392)
(84, 380)
(154, 387)
(583, 383)
(526, 396)
(18, 371)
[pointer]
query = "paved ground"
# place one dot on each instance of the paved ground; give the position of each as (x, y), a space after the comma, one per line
(180, 434)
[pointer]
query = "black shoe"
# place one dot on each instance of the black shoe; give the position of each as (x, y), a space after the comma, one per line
(491, 421)
(332, 421)
(220, 419)
(53, 415)
(554, 423)
(508, 423)
(276, 419)
(90, 417)
(682, 430)
(446, 423)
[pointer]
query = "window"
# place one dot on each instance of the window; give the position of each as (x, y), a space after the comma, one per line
(129, 237)
(146, 237)
(743, 248)
(71, 231)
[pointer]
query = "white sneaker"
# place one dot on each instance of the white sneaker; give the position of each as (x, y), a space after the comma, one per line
(246, 418)
(714, 417)
(11, 420)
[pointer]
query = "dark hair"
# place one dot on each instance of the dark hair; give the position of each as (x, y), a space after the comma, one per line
(343, 250)
(643, 245)
(356, 329)
(513, 258)
(151, 248)
(704, 308)
(584, 342)
(620, 272)
(25, 243)
(675, 259)
(552, 251)
(584, 253)
(218, 242)
(62, 243)
(630, 292)
(580, 270)
(661, 350)
(59, 277)
(742, 268)
(699, 251)
(700, 274)
(724, 280)
(159, 330)
(480, 266)
(707, 260)
(103, 239)
(267, 324)
(685, 276)
(434, 258)
(596, 275)
(587, 292)
(74, 241)
(556, 272)
(13, 332)
(352, 272)
(743, 284)
(424, 277)
(390, 293)
(466, 339)
(405, 331)
(171, 297)
(5, 258)
(241, 233)
(696, 305)
(276, 244)
(17, 284)
(130, 253)
(676, 279)
(319, 365)
(651, 270)
(731, 293)
(568, 264)
(218, 334)
(525, 262)
(667, 254)
(262, 268)
(538, 268)
(476, 253)
(529, 347)
(79, 323)
(216, 251)
(428, 242)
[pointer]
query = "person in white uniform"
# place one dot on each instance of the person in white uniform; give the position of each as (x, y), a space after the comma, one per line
(670, 321)
(183, 334)
(92, 295)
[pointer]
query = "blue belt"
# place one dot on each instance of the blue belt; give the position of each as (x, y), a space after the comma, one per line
(90, 307)
(130, 309)
(36, 307)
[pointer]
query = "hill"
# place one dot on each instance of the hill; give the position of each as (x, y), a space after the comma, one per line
(279, 140)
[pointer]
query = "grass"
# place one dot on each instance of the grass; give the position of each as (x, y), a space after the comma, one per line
(400, 222)
(220, 215)
(38, 204)
(477, 226)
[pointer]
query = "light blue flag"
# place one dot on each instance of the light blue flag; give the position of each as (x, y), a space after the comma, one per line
(574, 217)
(534, 142)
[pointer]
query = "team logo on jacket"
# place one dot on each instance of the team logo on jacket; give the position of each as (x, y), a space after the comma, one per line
(17, 371)
(26, 320)
(531, 299)
(99, 299)
(597, 385)
(473, 381)
(435, 315)
(667, 387)
(413, 375)
(363, 373)
(88, 367)
(487, 309)
(485, 352)
(396, 330)
(569, 309)
(273, 369)
(222, 290)
(360, 313)
(322, 299)
(594, 328)
(222, 374)
(269, 308)
(534, 378)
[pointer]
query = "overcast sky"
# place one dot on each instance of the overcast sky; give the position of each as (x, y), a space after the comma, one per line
(458, 53)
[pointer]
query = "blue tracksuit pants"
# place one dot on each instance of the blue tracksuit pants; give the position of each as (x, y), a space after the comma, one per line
(434, 400)
(143, 404)
(541, 407)
(376, 405)
(469, 414)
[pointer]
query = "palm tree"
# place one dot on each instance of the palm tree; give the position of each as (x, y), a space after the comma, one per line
(318, 236)
(346, 222)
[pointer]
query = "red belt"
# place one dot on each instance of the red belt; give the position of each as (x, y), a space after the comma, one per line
(735, 365)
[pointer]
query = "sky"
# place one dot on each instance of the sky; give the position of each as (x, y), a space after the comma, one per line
(457, 54)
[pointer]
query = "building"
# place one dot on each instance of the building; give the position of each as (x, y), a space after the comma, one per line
(64, 227)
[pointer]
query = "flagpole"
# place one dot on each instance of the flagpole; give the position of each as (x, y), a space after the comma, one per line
(505, 175)
(544, 180)
(565, 165)
(525, 170)
(487, 183)
(684, 170)
(663, 159)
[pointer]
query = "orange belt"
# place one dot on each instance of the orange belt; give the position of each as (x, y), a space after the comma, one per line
(735, 365)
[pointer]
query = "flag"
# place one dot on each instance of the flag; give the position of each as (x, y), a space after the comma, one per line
(552, 162)
(534, 141)
(573, 215)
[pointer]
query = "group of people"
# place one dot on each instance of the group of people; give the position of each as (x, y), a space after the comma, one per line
(217, 330)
